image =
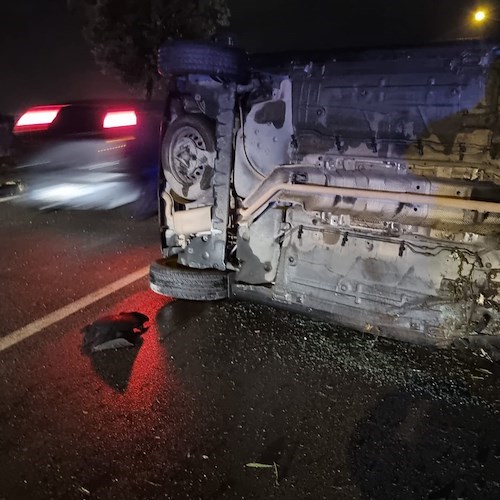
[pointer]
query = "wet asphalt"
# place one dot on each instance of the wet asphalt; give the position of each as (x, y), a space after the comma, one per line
(220, 400)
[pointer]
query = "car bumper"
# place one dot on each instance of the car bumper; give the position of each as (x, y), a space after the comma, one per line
(85, 174)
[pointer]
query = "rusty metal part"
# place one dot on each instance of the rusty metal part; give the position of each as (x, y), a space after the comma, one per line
(280, 190)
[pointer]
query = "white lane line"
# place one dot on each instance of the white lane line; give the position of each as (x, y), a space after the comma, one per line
(38, 325)
(8, 198)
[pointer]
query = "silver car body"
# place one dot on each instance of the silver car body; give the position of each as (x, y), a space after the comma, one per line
(362, 185)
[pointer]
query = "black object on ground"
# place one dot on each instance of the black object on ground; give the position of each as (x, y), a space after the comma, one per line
(114, 331)
(10, 188)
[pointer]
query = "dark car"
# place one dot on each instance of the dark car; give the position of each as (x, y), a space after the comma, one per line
(96, 154)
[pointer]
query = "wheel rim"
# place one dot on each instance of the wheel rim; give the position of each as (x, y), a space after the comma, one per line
(187, 156)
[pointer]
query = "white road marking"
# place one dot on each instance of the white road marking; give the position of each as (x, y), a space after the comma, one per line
(8, 198)
(42, 323)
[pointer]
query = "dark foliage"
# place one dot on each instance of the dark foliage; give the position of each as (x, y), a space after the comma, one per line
(125, 35)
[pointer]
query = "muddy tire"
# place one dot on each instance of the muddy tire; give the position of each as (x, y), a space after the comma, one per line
(188, 156)
(184, 57)
(167, 277)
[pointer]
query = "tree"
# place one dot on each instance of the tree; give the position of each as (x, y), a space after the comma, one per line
(125, 35)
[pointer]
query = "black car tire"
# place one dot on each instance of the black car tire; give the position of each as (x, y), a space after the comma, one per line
(181, 57)
(199, 132)
(167, 277)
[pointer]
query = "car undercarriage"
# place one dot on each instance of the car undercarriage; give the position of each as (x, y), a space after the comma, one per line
(360, 184)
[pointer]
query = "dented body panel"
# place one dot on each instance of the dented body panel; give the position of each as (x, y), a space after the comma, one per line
(362, 184)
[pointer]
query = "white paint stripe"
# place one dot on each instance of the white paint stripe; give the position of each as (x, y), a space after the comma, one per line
(38, 325)
(8, 198)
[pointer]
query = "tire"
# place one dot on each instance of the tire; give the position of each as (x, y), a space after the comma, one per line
(194, 136)
(183, 57)
(167, 277)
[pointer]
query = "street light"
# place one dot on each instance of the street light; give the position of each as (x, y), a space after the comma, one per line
(480, 16)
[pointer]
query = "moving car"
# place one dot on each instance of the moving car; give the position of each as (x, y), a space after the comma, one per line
(95, 154)
(362, 185)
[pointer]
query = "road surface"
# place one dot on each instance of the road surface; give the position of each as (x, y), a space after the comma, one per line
(221, 400)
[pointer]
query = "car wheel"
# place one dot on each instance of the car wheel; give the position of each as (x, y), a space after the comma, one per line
(181, 57)
(167, 277)
(188, 156)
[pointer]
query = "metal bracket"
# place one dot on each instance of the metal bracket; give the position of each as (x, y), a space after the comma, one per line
(209, 251)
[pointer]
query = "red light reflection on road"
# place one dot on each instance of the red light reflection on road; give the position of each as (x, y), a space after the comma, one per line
(149, 375)
(117, 396)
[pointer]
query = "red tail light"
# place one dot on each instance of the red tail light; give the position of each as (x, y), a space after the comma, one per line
(114, 119)
(38, 118)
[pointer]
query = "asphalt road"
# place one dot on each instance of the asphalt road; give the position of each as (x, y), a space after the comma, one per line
(221, 400)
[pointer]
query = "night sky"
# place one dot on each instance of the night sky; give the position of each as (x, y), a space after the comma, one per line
(45, 59)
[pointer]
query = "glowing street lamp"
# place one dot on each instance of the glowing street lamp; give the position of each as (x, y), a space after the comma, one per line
(480, 16)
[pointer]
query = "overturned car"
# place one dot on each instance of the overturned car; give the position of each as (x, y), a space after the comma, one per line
(363, 185)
